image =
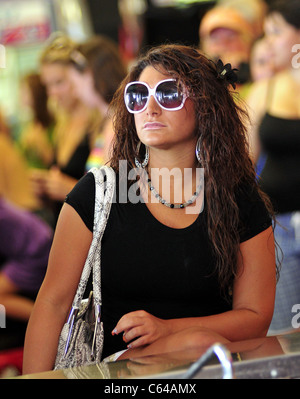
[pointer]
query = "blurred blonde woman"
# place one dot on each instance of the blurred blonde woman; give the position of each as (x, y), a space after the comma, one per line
(97, 71)
(73, 133)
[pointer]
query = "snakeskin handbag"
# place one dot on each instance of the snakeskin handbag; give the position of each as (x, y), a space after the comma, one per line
(81, 339)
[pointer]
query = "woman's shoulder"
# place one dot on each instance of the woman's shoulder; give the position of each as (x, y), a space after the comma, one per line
(248, 193)
(86, 185)
(87, 182)
(82, 196)
(82, 199)
(253, 212)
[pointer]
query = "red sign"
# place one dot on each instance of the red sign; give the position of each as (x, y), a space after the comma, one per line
(26, 34)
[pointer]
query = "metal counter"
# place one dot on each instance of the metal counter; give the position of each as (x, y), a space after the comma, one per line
(271, 357)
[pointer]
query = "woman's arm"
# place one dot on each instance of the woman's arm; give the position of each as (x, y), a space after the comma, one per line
(69, 250)
(253, 303)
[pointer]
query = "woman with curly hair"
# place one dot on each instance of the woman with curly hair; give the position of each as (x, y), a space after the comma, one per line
(188, 254)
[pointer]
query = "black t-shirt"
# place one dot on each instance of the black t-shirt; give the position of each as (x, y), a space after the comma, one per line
(146, 265)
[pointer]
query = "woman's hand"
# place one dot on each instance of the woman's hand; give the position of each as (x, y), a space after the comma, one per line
(141, 328)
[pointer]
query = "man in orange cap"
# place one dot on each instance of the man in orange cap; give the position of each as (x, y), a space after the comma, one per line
(228, 30)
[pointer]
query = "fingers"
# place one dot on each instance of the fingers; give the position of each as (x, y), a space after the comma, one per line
(129, 320)
(134, 333)
(134, 328)
(141, 328)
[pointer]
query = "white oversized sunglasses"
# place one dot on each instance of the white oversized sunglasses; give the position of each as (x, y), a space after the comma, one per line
(166, 93)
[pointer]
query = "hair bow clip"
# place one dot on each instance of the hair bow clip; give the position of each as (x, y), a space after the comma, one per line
(226, 72)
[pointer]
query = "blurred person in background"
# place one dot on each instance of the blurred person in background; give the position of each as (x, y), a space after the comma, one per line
(261, 60)
(73, 134)
(4, 126)
(132, 28)
(274, 105)
(14, 175)
(25, 242)
(228, 31)
(36, 136)
(261, 67)
(97, 71)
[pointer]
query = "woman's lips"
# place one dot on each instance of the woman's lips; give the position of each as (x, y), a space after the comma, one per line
(153, 125)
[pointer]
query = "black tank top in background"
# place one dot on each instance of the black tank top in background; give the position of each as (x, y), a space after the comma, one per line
(280, 177)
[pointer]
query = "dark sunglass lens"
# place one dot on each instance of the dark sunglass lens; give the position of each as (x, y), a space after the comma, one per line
(136, 97)
(168, 95)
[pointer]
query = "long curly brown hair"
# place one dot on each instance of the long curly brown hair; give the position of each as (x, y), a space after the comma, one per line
(224, 149)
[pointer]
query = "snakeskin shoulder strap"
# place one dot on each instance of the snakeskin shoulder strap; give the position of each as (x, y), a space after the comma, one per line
(105, 187)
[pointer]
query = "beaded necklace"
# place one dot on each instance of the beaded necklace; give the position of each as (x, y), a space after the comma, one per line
(175, 206)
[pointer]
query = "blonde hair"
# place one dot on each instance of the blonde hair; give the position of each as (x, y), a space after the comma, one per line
(58, 50)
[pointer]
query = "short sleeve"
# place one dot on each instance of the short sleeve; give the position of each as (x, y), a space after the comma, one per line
(254, 216)
(82, 199)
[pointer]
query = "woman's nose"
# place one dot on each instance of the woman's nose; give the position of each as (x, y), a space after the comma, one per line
(153, 107)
